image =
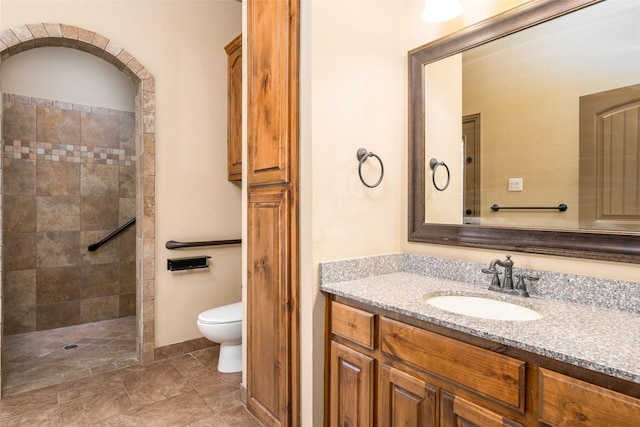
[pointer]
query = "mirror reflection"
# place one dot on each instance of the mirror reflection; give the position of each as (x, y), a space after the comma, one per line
(544, 117)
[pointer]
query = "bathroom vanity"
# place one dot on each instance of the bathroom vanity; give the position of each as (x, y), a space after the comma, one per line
(394, 359)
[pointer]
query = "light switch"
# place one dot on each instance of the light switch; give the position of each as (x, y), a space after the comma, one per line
(515, 184)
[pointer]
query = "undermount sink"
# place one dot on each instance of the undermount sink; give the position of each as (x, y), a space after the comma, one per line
(482, 307)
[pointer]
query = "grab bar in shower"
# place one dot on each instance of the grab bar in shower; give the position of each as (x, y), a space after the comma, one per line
(120, 229)
(171, 244)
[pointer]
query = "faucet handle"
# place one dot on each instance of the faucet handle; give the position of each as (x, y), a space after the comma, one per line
(495, 280)
(521, 285)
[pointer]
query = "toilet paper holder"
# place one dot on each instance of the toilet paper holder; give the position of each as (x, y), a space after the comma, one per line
(188, 263)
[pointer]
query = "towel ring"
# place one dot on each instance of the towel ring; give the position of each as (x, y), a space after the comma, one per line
(434, 164)
(363, 155)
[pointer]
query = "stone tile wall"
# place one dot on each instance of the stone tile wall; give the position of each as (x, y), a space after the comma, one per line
(68, 181)
(22, 38)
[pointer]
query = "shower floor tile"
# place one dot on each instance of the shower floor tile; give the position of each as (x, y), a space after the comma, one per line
(39, 359)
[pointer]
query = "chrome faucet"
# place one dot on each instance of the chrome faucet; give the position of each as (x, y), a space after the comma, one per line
(506, 286)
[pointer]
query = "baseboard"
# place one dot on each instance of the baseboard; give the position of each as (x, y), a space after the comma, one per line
(185, 347)
(243, 394)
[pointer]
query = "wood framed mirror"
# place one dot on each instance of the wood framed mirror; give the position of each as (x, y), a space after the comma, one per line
(622, 245)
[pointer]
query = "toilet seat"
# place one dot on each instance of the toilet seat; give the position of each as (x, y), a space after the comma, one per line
(231, 313)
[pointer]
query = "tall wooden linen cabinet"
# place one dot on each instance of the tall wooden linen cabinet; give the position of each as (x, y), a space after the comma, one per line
(273, 345)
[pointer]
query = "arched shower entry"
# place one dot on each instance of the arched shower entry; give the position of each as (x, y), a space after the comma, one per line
(23, 38)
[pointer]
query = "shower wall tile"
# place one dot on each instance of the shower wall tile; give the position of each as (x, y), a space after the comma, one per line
(19, 177)
(58, 248)
(17, 99)
(22, 255)
(101, 111)
(57, 284)
(127, 177)
(127, 209)
(108, 253)
(62, 105)
(127, 130)
(19, 121)
(100, 280)
(96, 309)
(19, 319)
(128, 246)
(149, 143)
(52, 316)
(99, 180)
(57, 179)
(69, 175)
(20, 288)
(128, 277)
(58, 213)
(99, 130)
(149, 207)
(148, 186)
(19, 214)
(127, 305)
(57, 125)
(99, 213)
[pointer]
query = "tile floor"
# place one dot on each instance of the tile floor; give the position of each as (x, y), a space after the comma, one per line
(46, 385)
(39, 359)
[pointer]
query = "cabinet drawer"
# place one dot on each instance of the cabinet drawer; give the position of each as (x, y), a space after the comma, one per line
(489, 374)
(353, 324)
(566, 401)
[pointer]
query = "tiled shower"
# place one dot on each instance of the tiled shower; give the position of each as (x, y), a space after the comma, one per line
(68, 181)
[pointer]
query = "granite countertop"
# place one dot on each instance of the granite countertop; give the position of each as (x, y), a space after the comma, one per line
(600, 339)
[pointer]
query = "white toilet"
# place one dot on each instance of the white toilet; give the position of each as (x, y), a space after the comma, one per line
(224, 325)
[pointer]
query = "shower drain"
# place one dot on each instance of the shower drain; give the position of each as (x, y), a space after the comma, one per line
(70, 346)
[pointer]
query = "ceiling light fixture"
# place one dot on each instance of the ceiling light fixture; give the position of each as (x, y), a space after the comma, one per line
(441, 10)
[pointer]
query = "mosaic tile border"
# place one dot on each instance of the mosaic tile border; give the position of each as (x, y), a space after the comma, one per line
(72, 153)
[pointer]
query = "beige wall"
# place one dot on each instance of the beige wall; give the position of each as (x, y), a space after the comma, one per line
(443, 101)
(354, 80)
(182, 45)
(68, 75)
(352, 96)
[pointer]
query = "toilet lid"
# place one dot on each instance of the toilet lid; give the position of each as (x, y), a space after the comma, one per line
(226, 314)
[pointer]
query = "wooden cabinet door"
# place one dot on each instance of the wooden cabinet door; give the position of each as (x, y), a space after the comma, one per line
(351, 388)
(272, 116)
(234, 109)
(458, 412)
(405, 401)
(270, 309)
